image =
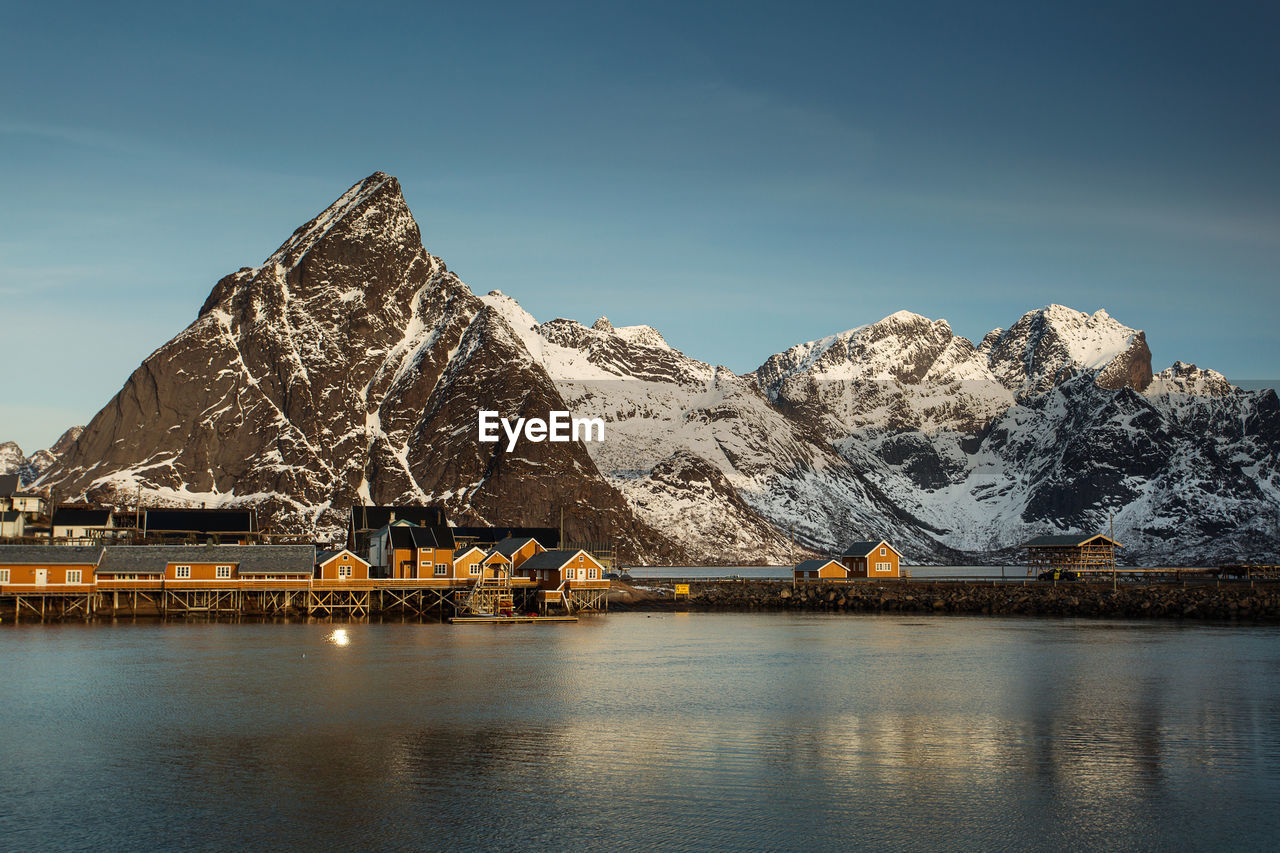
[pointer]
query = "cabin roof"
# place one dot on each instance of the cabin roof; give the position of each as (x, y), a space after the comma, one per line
(436, 536)
(190, 520)
(325, 556)
(377, 517)
(10, 515)
(250, 559)
(511, 544)
(548, 537)
(862, 549)
(1069, 540)
(814, 565)
(54, 555)
(81, 515)
(557, 559)
(411, 535)
(8, 485)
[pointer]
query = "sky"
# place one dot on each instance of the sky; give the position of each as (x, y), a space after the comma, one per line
(742, 176)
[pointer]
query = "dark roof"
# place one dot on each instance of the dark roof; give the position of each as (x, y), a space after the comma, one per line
(81, 516)
(436, 536)
(511, 544)
(1070, 540)
(549, 559)
(548, 537)
(376, 517)
(10, 515)
(323, 557)
(430, 518)
(862, 549)
(54, 555)
(814, 565)
(8, 485)
(401, 537)
(250, 559)
(183, 520)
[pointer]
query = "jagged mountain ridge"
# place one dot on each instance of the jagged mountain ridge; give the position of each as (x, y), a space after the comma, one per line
(350, 365)
(29, 468)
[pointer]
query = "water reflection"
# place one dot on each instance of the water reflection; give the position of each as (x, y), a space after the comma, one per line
(735, 732)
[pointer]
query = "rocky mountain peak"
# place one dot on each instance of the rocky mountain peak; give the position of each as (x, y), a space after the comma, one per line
(602, 325)
(29, 468)
(903, 347)
(12, 458)
(1051, 344)
(1184, 378)
(66, 441)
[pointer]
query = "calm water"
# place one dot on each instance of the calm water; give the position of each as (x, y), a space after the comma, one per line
(682, 731)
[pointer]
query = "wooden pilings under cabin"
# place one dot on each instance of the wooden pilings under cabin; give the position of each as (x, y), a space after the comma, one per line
(351, 599)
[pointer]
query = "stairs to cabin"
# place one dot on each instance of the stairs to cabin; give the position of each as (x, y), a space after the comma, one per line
(491, 596)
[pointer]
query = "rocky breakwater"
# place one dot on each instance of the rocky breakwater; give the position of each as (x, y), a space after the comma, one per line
(1240, 601)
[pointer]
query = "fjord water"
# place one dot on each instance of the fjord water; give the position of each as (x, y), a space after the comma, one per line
(634, 731)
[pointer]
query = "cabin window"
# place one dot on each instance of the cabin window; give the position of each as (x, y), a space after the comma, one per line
(883, 552)
(884, 567)
(442, 569)
(572, 574)
(591, 574)
(4, 575)
(344, 572)
(182, 572)
(222, 572)
(74, 575)
(475, 568)
(579, 559)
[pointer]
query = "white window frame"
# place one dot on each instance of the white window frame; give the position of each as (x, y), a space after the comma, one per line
(4, 575)
(344, 572)
(591, 574)
(571, 574)
(222, 573)
(442, 570)
(182, 573)
(75, 575)
(474, 568)
(883, 552)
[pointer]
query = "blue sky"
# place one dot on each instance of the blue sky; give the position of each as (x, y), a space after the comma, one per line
(742, 176)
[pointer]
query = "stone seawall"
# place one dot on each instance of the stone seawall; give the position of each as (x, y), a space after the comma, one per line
(1258, 602)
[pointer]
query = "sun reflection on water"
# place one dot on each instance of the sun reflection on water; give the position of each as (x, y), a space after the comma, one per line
(339, 637)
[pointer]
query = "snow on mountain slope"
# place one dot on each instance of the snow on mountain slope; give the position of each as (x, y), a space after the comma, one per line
(29, 468)
(12, 459)
(350, 367)
(1046, 346)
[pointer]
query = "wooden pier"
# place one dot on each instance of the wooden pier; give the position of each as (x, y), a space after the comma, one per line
(513, 597)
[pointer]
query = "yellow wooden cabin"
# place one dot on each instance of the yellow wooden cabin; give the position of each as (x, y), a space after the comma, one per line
(872, 560)
(208, 565)
(518, 549)
(821, 570)
(340, 565)
(47, 567)
(570, 569)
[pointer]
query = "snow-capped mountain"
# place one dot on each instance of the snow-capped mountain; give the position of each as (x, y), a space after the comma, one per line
(351, 366)
(28, 468)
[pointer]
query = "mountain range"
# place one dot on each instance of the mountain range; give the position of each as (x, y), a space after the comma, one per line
(350, 366)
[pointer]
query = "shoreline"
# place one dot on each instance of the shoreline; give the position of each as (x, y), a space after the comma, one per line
(1256, 602)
